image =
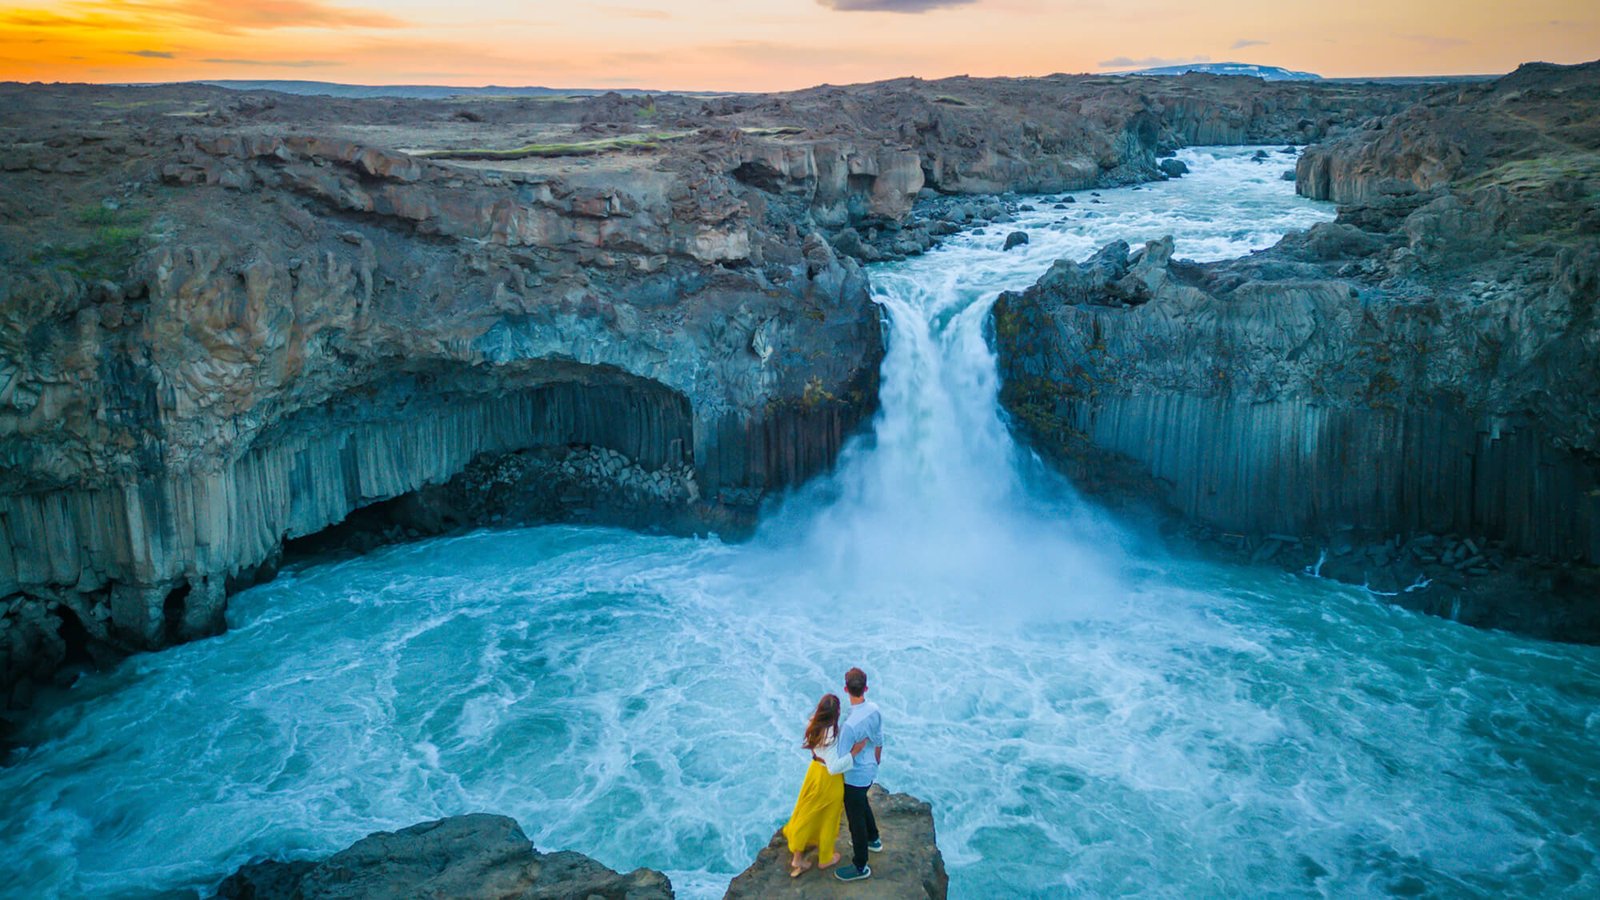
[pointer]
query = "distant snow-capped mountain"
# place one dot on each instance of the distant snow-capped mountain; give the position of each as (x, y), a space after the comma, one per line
(1268, 73)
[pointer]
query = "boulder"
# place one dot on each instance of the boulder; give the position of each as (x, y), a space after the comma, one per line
(265, 880)
(1016, 239)
(1173, 168)
(910, 865)
(478, 855)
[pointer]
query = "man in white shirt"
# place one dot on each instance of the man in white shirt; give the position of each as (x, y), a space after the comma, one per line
(863, 723)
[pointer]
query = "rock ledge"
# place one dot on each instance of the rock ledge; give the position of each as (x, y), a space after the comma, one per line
(909, 867)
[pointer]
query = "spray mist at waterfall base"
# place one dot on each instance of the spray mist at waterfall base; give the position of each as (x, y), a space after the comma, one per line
(1086, 717)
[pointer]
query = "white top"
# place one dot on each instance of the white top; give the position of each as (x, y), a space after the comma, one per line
(838, 761)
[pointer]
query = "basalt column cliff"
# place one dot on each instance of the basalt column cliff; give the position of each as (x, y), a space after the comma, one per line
(1408, 394)
(236, 339)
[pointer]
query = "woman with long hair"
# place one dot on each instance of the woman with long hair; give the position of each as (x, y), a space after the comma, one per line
(815, 821)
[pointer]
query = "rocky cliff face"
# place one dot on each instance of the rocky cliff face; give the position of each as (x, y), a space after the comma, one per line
(217, 339)
(1533, 129)
(990, 136)
(1420, 376)
(229, 321)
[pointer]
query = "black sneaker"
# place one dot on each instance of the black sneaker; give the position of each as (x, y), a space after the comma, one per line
(876, 846)
(851, 873)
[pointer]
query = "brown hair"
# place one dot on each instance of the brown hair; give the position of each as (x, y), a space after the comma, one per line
(855, 681)
(824, 724)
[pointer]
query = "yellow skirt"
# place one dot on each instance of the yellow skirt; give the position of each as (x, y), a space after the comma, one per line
(815, 820)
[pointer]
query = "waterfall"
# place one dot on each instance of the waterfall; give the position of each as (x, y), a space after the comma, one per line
(1083, 716)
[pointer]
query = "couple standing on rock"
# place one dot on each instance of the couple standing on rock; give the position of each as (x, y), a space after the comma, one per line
(844, 763)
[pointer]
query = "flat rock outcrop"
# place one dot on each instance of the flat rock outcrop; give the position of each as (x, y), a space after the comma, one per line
(479, 855)
(1413, 387)
(909, 868)
(1520, 129)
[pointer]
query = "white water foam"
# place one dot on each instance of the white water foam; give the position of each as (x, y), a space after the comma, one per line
(1086, 719)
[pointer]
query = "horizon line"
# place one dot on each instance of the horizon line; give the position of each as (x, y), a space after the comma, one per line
(1120, 73)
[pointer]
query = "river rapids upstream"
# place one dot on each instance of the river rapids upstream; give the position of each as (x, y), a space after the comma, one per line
(1087, 715)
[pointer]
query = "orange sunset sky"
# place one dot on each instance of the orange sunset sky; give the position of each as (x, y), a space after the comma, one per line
(766, 44)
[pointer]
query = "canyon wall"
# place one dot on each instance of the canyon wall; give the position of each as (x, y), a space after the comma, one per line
(304, 326)
(1422, 369)
(229, 321)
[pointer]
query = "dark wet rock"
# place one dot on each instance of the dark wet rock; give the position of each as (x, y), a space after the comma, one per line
(1173, 168)
(266, 880)
(849, 243)
(909, 868)
(1330, 241)
(1016, 239)
(1288, 175)
(476, 855)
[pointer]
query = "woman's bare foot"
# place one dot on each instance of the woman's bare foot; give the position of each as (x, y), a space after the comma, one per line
(798, 865)
(830, 863)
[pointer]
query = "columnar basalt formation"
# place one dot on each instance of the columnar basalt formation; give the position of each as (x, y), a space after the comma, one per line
(302, 326)
(228, 321)
(1421, 370)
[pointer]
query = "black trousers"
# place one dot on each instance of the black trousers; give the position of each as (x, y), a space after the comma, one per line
(863, 827)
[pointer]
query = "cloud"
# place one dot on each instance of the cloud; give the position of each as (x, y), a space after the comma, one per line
(150, 54)
(1242, 43)
(159, 16)
(895, 6)
(278, 63)
(1435, 41)
(1150, 62)
(26, 19)
(268, 14)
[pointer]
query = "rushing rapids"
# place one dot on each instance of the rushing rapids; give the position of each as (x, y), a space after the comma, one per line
(1085, 716)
